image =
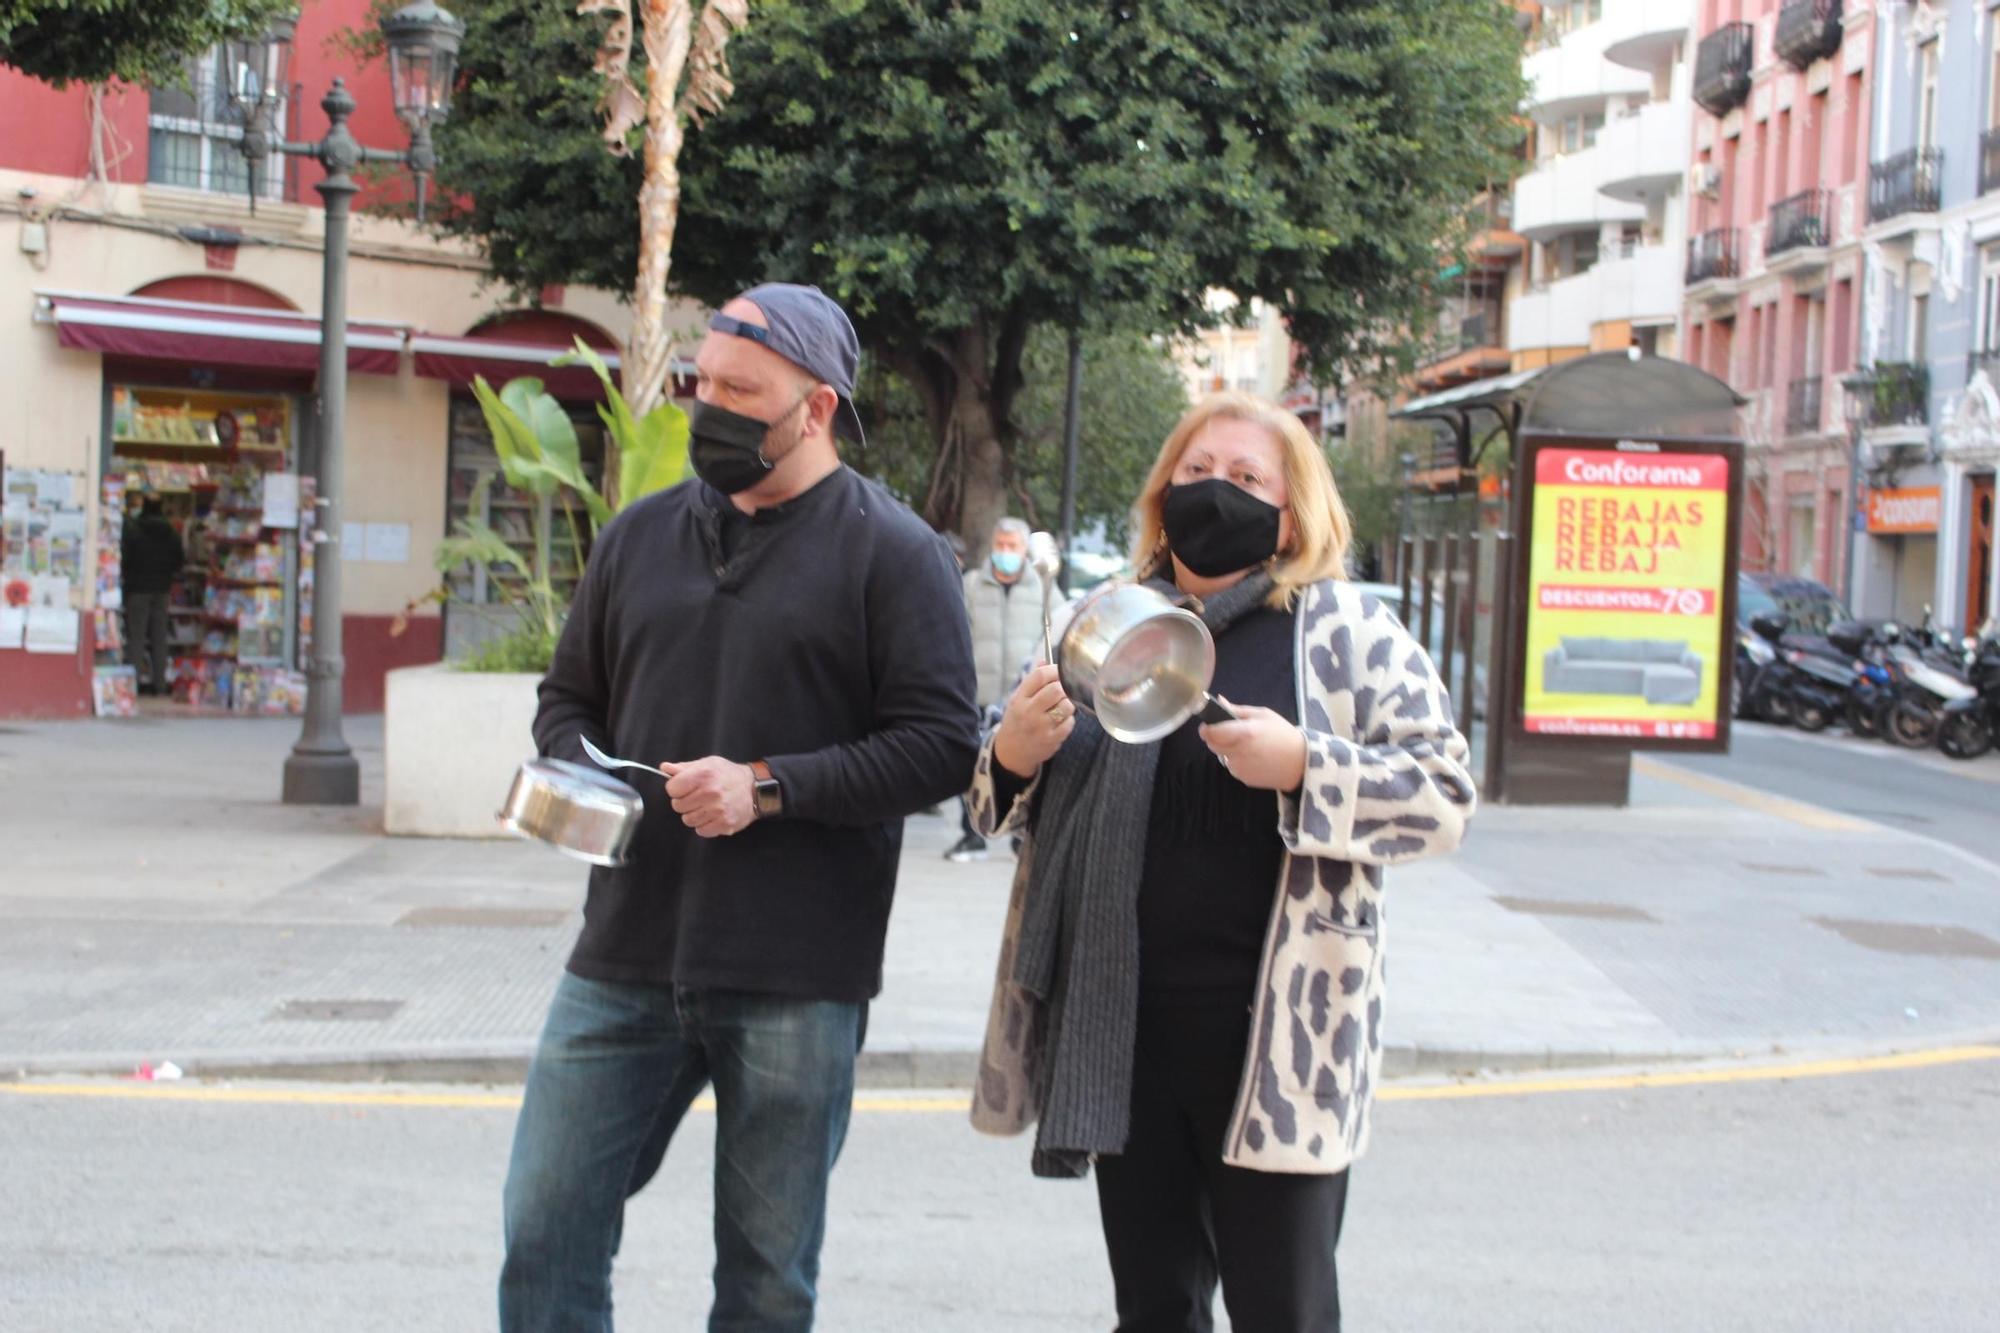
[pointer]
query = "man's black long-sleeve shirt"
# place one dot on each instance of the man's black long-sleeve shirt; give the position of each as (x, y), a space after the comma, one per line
(827, 637)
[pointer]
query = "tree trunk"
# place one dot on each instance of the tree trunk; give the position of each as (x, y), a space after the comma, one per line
(666, 28)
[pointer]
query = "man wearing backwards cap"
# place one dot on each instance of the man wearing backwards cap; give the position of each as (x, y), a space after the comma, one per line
(789, 644)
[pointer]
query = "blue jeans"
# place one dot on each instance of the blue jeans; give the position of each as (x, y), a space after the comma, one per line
(616, 1070)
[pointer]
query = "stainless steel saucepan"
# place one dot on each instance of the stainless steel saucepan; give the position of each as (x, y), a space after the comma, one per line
(1139, 663)
(576, 810)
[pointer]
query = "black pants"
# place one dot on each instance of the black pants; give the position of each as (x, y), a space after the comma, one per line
(146, 634)
(1176, 1218)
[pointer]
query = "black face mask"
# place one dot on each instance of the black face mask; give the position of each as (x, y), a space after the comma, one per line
(1217, 528)
(727, 448)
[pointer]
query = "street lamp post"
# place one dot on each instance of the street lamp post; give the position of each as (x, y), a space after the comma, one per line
(423, 42)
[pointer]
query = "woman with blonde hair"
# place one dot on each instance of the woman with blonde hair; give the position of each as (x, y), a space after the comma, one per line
(1190, 988)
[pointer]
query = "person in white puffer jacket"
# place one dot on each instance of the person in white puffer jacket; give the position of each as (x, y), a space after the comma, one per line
(1003, 600)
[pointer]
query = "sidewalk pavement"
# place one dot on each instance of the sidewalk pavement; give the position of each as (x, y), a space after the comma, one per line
(158, 904)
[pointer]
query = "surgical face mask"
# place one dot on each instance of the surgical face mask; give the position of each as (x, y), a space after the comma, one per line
(1216, 527)
(1007, 563)
(727, 448)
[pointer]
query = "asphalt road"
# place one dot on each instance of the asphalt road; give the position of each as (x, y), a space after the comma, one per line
(1862, 1200)
(1921, 792)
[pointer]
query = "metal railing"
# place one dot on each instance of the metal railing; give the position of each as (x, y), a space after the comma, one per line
(1712, 255)
(1797, 223)
(1897, 394)
(1802, 405)
(1807, 31)
(1989, 161)
(1905, 183)
(1722, 69)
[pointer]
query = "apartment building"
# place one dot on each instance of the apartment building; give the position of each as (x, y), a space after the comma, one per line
(1774, 274)
(1603, 204)
(1929, 413)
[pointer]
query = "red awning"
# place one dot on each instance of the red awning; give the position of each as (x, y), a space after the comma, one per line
(459, 360)
(214, 335)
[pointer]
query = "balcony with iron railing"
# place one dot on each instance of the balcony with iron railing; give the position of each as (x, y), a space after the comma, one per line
(1722, 69)
(1798, 223)
(1802, 405)
(1905, 183)
(1712, 256)
(1989, 161)
(1808, 30)
(1896, 394)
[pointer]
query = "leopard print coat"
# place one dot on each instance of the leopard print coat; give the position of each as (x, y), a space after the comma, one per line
(1386, 782)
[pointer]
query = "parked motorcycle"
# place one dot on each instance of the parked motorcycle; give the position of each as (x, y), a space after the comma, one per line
(1923, 690)
(1794, 685)
(1969, 726)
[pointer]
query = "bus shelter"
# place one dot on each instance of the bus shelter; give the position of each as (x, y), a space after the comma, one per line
(1614, 590)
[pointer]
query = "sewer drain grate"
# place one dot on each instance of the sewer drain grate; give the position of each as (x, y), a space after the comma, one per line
(1565, 907)
(1899, 872)
(506, 918)
(1764, 868)
(337, 1011)
(1908, 937)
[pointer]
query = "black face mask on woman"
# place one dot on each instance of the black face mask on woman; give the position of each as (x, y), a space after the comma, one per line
(727, 448)
(1215, 527)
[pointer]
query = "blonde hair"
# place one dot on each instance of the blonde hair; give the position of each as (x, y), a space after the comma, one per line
(1321, 530)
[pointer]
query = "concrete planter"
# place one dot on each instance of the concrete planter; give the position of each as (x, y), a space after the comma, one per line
(451, 742)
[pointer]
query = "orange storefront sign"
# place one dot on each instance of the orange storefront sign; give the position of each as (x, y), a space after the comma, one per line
(1912, 510)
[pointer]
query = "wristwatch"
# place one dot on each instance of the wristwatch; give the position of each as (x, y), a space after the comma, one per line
(767, 797)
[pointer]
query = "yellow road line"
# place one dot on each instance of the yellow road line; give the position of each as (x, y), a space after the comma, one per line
(1683, 1078)
(1797, 812)
(880, 1104)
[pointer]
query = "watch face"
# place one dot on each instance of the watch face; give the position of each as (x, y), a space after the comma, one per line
(766, 797)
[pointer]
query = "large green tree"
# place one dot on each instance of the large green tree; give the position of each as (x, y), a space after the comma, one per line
(961, 172)
(141, 41)
(1132, 395)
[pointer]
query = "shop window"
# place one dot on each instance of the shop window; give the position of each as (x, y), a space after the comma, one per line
(195, 137)
(480, 608)
(1800, 547)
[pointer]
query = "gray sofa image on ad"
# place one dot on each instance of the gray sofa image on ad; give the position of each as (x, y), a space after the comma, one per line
(1661, 671)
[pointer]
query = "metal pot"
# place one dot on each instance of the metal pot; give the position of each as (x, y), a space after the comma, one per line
(576, 810)
(1138, 662)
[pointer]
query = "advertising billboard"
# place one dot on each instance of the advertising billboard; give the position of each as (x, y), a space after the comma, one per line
(1628, 594)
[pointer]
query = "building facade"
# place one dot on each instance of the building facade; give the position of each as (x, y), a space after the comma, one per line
(1780, 178)
(1602, 204)
(1930, 437)
(161, 339)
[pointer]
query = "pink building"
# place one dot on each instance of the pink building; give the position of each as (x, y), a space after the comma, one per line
(1779, 192)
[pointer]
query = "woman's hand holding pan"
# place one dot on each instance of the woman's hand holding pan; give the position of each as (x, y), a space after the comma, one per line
(1039, 718)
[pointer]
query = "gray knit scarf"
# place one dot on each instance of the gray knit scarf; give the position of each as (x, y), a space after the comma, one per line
(1079, 947)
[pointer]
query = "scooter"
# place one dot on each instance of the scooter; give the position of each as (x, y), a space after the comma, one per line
(1968, 727)
(1795, 686)
(1924, 689)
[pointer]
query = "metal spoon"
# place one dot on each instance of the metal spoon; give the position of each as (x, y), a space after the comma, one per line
(1046, 557)
(606, 761)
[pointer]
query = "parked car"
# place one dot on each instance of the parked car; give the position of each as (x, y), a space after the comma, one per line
(1809, 607)
(1454, 672)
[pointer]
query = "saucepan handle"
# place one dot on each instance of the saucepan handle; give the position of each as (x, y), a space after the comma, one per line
(1214, 710)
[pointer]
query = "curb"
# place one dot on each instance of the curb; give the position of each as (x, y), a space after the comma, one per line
(933, 1069)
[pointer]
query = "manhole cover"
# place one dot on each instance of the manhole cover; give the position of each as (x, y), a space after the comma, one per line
(1764, 868)
(1563, 907)
(1912, 938)
(508, 918)
(337, 1011)
(1900, 872)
